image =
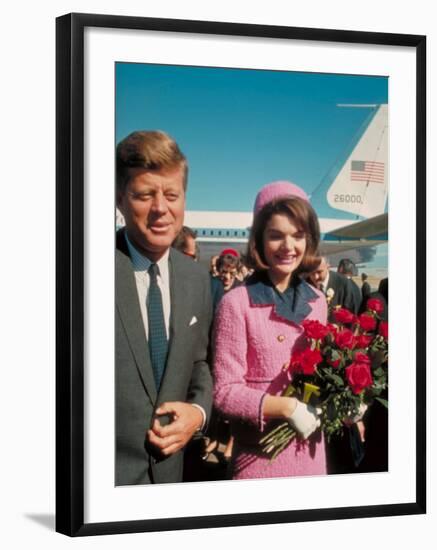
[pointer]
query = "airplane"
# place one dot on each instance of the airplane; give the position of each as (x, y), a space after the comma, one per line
(359, 187)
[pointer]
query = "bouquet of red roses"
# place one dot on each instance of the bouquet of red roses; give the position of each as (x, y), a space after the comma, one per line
(342, 368)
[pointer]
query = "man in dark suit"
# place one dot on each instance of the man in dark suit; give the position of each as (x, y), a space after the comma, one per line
(343, 453)
(334, 285)
(347, 268)
(365, 287)
(163, 316)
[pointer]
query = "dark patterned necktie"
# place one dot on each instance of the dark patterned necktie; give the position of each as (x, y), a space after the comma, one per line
(158, 344)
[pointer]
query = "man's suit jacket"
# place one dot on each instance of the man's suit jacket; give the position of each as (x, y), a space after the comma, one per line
(187, 375)
(343, 295)
(356, 295)
(365, 290)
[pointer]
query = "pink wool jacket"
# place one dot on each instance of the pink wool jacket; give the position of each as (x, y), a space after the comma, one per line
(253, 344)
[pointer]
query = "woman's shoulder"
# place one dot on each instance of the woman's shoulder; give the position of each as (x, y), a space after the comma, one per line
(232, 306)
(236, 295)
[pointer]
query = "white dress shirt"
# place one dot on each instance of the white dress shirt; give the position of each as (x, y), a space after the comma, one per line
(141, 266)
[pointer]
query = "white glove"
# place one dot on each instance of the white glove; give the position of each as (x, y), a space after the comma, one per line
(354, 418)
(304, 419)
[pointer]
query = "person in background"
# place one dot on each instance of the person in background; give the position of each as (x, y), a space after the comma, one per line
(365, 287)
(338, 292)
(186, 243)
(257, 328)
(383, 288)
(213, 266)
(347, 268)
(333, 285)
(376, 444)
(244, 271)
(228, 265)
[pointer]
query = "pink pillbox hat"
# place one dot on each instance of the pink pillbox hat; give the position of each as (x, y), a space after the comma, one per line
(277, 190)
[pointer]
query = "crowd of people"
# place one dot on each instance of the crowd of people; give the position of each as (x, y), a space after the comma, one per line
(200, 356)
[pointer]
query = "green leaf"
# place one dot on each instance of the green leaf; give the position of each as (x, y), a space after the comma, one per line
(382, 401)
(337, 379)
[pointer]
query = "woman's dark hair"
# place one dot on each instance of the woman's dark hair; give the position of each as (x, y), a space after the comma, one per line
(302, 214)
(227, 260)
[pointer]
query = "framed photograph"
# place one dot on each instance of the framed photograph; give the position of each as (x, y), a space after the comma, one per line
(342, 114)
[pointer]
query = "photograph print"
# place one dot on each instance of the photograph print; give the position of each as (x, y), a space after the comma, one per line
(251, 274)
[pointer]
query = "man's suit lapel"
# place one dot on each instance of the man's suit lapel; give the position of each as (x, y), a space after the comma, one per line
(130, 314)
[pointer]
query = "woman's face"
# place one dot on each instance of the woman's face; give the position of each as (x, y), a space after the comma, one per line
(227, 275)
(284, 247)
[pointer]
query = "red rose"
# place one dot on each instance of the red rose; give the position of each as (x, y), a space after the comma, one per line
(367, 322)
(306, 361)
(358, 376)
(345, 339)
(383, 329)
(363, 340)
(314, 329)
(375, 305)
(333, 363)
(332, 329)
(343, 315)
(361, 357)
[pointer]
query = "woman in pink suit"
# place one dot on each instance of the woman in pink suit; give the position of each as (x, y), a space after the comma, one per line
(259, 325)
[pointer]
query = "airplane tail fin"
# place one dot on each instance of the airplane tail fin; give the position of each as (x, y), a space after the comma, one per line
(361, 185)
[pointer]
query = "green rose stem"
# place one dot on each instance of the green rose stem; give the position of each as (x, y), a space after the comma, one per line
(285, 438)
(273, 432)
(268, 447)
(282, 447)
(279, 439)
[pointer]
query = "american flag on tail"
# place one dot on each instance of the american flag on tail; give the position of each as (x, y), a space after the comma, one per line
(367, 170)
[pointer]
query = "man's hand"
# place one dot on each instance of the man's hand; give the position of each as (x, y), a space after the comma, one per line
(171, 438)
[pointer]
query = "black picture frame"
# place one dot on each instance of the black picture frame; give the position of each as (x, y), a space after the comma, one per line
(70, 272)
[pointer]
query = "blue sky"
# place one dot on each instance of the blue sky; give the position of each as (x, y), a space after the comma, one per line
(243, 128)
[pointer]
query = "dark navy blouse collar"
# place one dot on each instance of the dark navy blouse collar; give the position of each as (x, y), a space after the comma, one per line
(293, 304)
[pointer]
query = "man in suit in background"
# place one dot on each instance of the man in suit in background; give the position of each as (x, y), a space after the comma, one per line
(334, 285)
(163, 316)
(365, 287)
(347, 268)
(343, 454)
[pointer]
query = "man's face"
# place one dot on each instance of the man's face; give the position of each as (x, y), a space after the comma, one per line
(153, 205)
(318, 276)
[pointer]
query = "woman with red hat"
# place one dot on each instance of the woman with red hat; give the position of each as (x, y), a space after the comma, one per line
(259, 325)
